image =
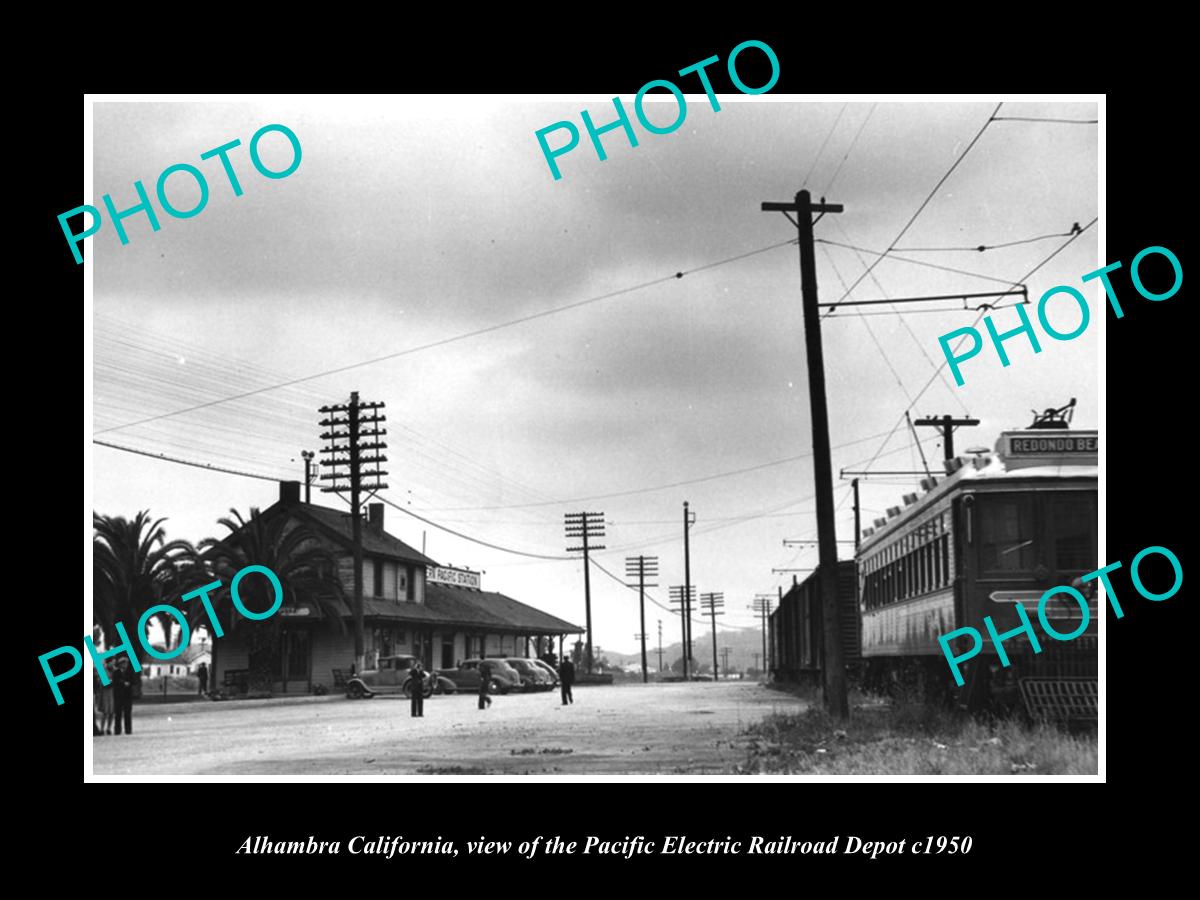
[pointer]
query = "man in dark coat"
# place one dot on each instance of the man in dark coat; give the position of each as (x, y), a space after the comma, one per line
(416, 689)
(202, 677)
(566, 678)
(124, 679)
(485, 685)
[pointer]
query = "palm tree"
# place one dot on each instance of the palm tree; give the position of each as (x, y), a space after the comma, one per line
(306, 571)
(134, 567)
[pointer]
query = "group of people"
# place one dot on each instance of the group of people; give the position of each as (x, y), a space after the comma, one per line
(418, 677)
(112, 703)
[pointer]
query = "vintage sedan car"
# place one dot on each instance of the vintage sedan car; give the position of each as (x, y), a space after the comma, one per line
(545, 666)
(466, 677)
(534, 677)
(391, 677)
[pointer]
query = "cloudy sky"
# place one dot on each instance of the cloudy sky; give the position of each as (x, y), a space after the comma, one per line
(414, 220)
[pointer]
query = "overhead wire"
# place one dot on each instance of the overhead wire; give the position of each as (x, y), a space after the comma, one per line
(924, 203)
(933, 378)
(451, 339)
(846, 155)
(981, 248)
(824, 144)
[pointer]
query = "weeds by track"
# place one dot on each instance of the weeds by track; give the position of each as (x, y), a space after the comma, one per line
(899, 737)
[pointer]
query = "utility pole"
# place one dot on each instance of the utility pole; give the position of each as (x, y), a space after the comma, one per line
(642, 567)
(835, 671)
(350, 434)
(660, 648)
(762, 606)
(683, 595)
(689, 519)
(756, 658)
(586, 525)
(712, 604)
(308, 458)
(857, 516)
(725, 661)
(946, 425)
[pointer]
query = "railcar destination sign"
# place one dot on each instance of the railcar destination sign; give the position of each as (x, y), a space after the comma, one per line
(1062, 443)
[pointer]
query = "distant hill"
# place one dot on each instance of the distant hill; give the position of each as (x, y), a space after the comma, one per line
(745, 646)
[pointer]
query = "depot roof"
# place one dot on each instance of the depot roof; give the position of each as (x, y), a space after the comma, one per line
(460, 608)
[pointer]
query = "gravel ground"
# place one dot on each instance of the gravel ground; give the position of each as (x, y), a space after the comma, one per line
(684, 728)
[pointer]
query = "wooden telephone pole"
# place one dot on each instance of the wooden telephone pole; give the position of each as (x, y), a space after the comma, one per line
(712, 604)
(584, 526)
(835, 671)
(946, 425)
(354, 466)
(641, 568)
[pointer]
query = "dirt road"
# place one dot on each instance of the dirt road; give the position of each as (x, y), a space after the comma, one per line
(637, 729)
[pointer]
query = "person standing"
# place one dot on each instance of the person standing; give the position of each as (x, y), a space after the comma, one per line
(416, 689)
(202, 677)
(123, 681)
(107, 700)
(566, 678)
(485, 685)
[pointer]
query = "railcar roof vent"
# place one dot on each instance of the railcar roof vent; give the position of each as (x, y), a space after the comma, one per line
(953, 465)
(910, 499)
(893, 511)
(879, 523)
(928, 484)
(867, 532)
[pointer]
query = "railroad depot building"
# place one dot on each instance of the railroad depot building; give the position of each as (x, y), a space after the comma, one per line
(411, 605)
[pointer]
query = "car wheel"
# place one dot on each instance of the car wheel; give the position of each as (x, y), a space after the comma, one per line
(498, 688)
(408, 691)
(355, 692)
(448, 688)
(427, 690)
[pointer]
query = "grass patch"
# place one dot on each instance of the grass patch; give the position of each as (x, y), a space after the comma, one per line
(904, 738)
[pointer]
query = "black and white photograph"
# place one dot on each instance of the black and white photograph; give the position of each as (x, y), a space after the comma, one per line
(699, 433)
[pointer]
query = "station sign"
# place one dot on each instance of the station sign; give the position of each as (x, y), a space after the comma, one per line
(456, 577)
(1050, 444)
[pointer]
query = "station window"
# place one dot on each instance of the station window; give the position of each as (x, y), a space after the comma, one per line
(377, 581)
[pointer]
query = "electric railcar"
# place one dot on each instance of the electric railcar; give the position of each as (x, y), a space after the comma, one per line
(997, 530)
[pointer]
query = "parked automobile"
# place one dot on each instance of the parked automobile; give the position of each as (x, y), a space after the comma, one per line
(391, 677)
(548, 668)
(533, 676)
(466, 677)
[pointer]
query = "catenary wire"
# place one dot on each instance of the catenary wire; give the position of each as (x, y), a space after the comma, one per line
(924, 203)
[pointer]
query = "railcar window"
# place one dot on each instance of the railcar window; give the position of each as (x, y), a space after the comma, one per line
(1073, 523)
(945, 544)
(1006, 534)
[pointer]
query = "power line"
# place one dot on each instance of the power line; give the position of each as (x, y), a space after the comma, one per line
(185, 462)
(211, 468)
(1038, 119)
(846, 156)
(930, 382)
(824, 143)
(450, 340)
(927, 265)
(659, 487)
(984, 247)
(924, 203)
(903, 321)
